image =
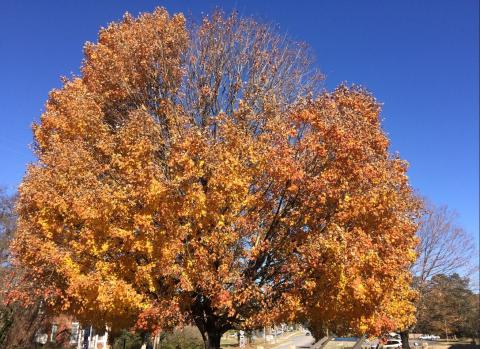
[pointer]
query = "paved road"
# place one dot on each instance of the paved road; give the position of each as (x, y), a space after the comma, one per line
(299, 340)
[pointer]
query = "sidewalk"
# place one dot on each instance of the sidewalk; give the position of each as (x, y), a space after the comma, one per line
(260, 342)
(281, 341)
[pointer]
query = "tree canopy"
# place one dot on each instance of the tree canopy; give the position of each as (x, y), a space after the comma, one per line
(200, 174)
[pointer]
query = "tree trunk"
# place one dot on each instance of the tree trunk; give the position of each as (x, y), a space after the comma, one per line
(211, 334)
(404, 337)
(318, 332)
(210, 325)
(211, 340)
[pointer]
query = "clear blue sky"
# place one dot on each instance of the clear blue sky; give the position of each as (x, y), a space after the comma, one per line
(420, 58)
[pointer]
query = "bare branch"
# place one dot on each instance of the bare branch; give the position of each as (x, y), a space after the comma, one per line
(444, 247)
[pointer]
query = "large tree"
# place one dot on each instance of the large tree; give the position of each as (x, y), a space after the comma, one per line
(444, 247)
(201, 176)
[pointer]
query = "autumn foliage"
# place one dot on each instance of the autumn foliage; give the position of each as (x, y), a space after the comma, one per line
(202, 176)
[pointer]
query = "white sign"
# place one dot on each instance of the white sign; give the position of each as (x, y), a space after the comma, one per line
(242, 339)
(41, 338)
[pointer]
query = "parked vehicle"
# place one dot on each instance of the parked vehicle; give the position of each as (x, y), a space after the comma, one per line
(429, 337)
(393, 344)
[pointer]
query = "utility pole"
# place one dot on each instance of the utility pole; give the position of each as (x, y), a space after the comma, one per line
(446, 332)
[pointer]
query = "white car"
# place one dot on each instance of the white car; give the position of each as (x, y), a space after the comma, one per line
(429, 337)
(393, 344)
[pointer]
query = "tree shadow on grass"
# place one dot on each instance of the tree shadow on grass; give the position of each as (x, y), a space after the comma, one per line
(464, 346)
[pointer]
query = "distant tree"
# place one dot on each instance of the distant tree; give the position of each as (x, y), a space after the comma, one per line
(472, 325)
(7, 225)
(128, 340)
(444, 248)
(450, 306)
(18, 320)
(7, 228)
(182, 338)
(201, 176)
